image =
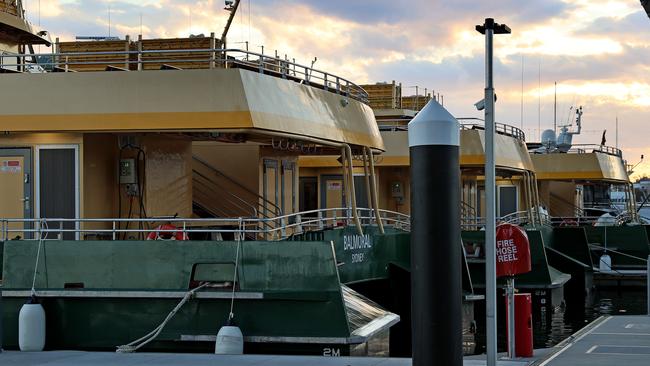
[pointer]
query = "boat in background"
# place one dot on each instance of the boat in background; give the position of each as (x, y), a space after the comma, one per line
(592, 205)
(517, 202)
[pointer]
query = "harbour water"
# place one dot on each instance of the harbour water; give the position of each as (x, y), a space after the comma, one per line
(552, 327)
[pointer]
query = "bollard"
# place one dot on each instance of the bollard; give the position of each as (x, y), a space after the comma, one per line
(434, 139)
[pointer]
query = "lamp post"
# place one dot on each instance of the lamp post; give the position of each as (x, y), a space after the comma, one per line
(489, 29)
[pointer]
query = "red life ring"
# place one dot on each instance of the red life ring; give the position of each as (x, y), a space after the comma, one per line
(167, 232)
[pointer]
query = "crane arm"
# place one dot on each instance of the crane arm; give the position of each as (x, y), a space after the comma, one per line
(233, 11)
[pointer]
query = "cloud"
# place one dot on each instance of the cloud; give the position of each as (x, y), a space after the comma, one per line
(597, 50)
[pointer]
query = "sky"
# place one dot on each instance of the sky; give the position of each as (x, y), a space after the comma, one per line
(596, 50)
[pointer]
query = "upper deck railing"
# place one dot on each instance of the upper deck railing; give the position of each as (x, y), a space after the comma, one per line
(589, 148)
(500, 128)
(209, 58)
(401, 124)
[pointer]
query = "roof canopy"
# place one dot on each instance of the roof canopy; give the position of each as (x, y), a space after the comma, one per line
(182, 100)
(18, 30)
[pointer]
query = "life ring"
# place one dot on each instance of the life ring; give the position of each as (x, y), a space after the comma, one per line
(167, 232)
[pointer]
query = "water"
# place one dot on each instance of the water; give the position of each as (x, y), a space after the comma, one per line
(552, 327)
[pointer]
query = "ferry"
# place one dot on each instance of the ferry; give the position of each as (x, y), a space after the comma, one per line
(579, 185)
(518, 201)
(153, 197)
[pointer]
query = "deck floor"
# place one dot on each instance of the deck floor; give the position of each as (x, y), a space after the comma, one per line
(615, 340)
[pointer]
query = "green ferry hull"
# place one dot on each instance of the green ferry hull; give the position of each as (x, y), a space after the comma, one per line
(123, 290)
(377, 265)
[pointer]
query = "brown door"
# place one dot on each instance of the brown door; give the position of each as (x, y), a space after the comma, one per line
(15, 185)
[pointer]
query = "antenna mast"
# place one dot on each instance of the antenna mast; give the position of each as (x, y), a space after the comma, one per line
(109, 20)
(555, 110)
(522, 92)
(539, 98)
(617, 131)
(232, 8)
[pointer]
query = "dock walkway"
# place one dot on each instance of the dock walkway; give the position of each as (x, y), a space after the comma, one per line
(612, 340)
(78, 358)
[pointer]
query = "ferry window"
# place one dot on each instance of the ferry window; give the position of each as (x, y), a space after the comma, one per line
(361, 193)
(507, 200)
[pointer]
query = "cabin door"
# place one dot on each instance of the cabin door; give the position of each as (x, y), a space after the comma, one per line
(270, 187)
(308, 192)
(57, 188)
(332, 193)
(15, 185)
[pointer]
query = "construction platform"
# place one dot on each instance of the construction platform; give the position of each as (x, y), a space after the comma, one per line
(610, 340)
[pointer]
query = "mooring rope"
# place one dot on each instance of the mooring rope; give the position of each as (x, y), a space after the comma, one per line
(38, 255)
(240, 233)
(619, 253)
(142, 341)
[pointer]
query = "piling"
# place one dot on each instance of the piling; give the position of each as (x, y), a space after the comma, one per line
(434, 136)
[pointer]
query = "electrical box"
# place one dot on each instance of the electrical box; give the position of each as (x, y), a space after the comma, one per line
(127, 171)
(396, 190)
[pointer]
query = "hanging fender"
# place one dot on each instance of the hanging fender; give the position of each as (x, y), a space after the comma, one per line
(167, 232)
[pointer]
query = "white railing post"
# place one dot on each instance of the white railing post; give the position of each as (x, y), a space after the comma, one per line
(140, 53)
(213, 46)
(56, 49)
(320, 220)
(127, 55)
(648, 285)
(114, 228)
(299, 223)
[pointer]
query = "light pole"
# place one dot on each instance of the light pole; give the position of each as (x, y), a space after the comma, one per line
(490, 28)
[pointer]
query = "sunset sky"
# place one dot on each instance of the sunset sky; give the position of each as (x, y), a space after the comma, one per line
(597, 51)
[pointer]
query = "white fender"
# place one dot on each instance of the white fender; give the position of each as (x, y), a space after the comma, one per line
(31, 327)
(230, 341)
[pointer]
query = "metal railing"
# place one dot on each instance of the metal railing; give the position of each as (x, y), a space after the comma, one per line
(276, 228)
(258, 205)
(618, 220)
(515, 218)
(401, 124)
(500, 128)
(138, 60)
(589, 148)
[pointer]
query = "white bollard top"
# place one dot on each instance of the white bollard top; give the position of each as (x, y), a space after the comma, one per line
(434, 125)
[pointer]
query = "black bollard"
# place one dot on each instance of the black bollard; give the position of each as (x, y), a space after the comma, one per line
(434, 139)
